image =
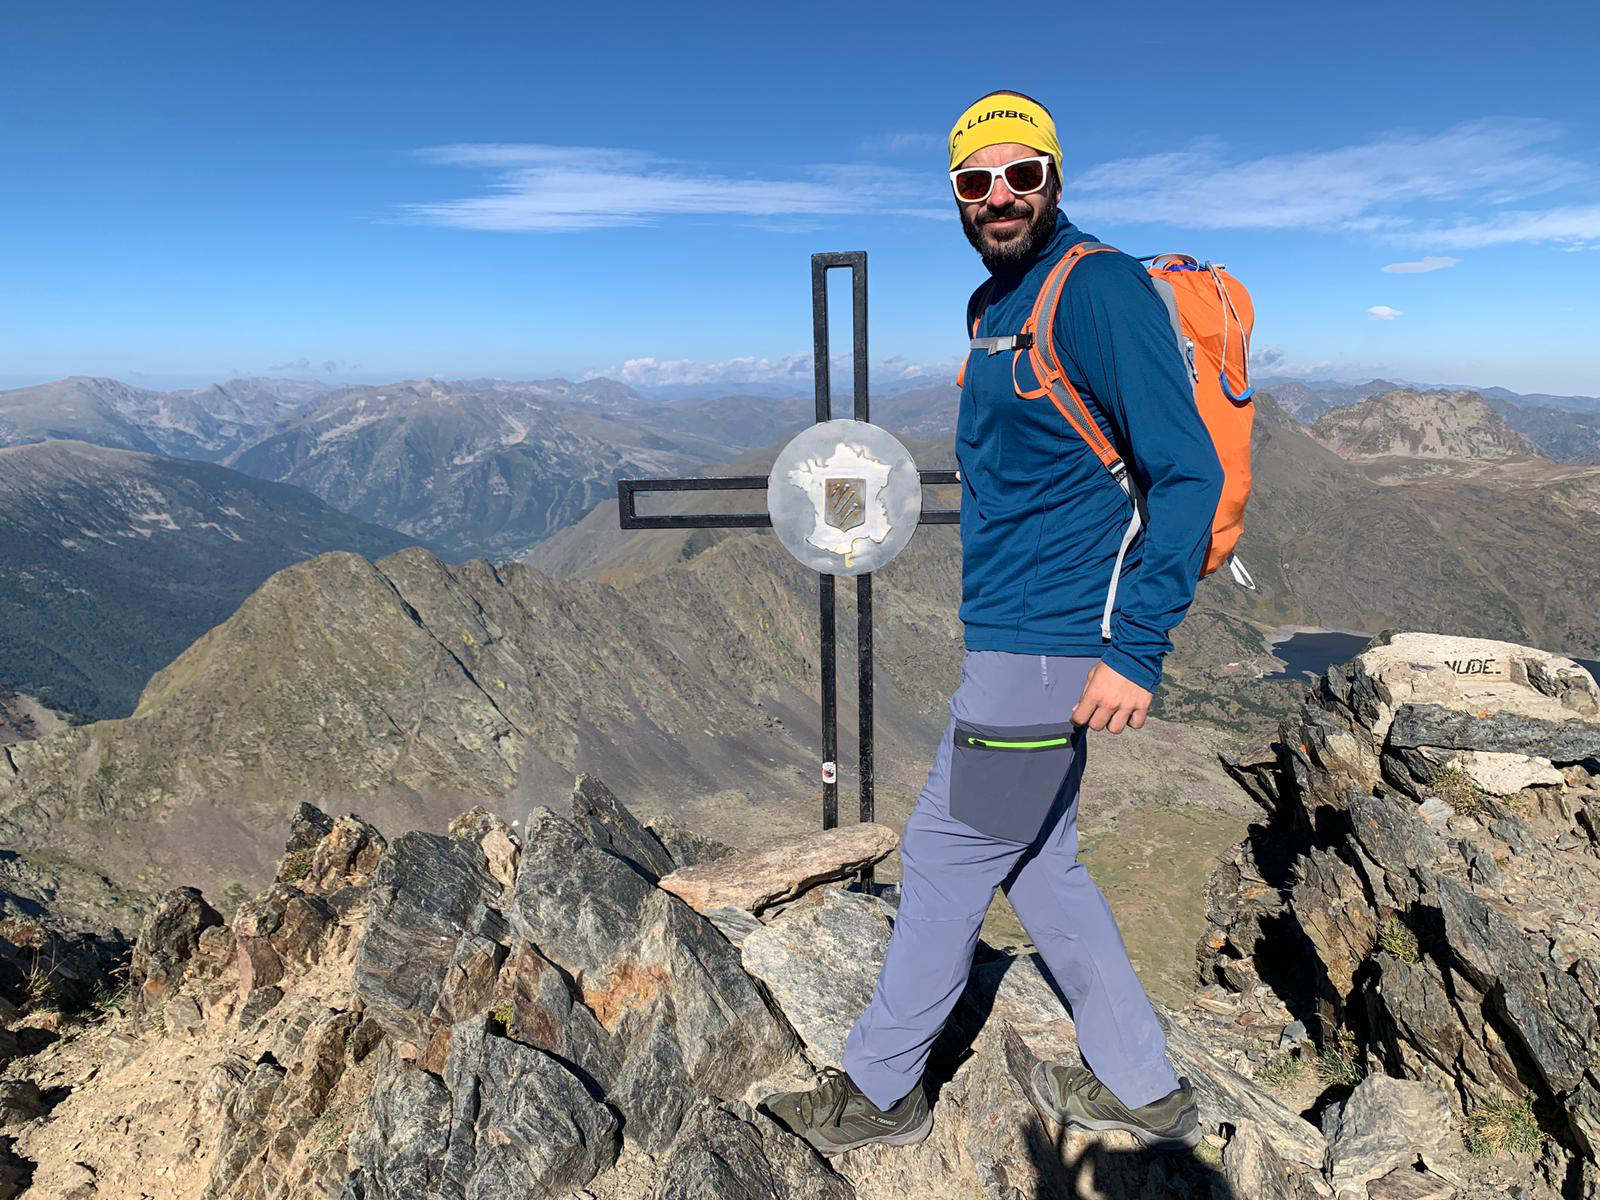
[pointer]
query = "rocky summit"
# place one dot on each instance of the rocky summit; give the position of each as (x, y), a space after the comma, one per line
(1425, 892)
(1397, 997)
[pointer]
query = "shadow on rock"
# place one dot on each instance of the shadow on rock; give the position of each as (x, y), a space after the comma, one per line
(1101, 1171)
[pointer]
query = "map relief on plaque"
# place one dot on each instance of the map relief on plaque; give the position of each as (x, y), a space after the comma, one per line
(846, 493)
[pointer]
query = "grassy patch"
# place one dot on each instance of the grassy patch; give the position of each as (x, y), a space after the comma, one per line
(1209, 1153)
(111, 994)
(1282, 1071)
(1153, 868)
(295, 866)
(1400, 940)
(1504, 1126)
(1455, 787)
(38, 987)
(1339, 1060)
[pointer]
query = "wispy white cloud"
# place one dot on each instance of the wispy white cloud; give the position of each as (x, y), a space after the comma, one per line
(1574, 227)
(327, 366)
(1421, 188)
(540, 188)
(656, 372)
(1382, 312)
(1488, 182)
(1421, 266)
(920, 142)
(752, 369)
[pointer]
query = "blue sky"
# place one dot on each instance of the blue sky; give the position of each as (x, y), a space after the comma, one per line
(364, 191)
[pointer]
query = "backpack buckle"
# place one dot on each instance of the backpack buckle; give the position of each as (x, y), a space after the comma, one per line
(999, 345)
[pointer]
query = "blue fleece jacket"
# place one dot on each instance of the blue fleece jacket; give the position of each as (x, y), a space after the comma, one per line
(1041, 518)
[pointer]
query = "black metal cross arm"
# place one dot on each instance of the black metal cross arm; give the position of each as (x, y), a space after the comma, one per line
(629, 489)
(629, 517)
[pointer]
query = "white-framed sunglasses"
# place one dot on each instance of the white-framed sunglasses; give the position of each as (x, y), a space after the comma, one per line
(1022, 175)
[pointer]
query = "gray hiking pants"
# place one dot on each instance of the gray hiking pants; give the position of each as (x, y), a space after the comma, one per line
(1000, 810)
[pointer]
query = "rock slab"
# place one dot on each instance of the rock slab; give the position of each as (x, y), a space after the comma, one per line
(820, 962)
(1384, 1125)
(757, 879)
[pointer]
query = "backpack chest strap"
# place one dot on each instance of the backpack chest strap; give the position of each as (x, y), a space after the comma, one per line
(999, 345)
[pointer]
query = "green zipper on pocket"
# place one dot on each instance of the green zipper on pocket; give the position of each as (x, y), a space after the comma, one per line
(994, 745)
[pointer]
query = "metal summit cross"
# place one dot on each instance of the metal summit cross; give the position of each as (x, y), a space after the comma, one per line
(844, 498)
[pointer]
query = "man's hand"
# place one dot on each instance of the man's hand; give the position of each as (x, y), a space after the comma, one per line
(1111, 702)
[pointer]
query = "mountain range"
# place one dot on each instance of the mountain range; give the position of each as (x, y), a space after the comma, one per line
(1568, 431)
(267, 649)
(478, 468)
(406, 687)
(1481, 544)
(112, 561)
(495, 468)
(206, 423)
(1564, 428)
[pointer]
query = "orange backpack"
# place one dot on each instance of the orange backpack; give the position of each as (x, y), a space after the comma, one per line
(1212, 318)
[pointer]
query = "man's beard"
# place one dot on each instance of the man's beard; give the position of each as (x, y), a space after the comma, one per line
(1012, 254)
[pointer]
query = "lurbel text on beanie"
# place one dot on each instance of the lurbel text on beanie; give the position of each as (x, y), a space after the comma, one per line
(997, 114)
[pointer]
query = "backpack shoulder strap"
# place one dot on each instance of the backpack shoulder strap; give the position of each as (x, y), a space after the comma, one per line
(978, 301)
(1045, 358)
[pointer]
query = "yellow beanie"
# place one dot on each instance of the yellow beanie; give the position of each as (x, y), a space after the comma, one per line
(1002, 117)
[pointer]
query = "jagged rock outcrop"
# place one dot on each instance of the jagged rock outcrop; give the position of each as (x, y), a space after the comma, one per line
(727, 1151)
(1384, 1125)
(1439, 923)
(490, 1013)
(169, 941)
(524, 1012)
(606, 822)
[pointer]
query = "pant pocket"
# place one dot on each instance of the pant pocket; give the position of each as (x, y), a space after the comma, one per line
(1004, 779)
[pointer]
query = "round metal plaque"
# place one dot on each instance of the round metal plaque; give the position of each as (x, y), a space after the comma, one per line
(845, 497)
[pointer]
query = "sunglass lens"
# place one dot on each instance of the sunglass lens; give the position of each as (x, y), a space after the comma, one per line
(972, 185)
(1023, 177)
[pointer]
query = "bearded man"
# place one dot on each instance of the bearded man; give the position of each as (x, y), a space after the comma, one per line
(1067, 616)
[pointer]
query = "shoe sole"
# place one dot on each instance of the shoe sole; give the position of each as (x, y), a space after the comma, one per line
(1038, 1085)
(908, 1137)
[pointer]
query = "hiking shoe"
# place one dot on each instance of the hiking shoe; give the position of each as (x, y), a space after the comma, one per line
(1074, 1095)
(835, 1116)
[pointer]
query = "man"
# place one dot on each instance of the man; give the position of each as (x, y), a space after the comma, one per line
(1042, 522)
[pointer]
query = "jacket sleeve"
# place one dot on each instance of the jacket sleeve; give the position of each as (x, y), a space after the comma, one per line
(1117, 339)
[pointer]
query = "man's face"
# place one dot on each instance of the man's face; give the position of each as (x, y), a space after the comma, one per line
(1007, 229)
